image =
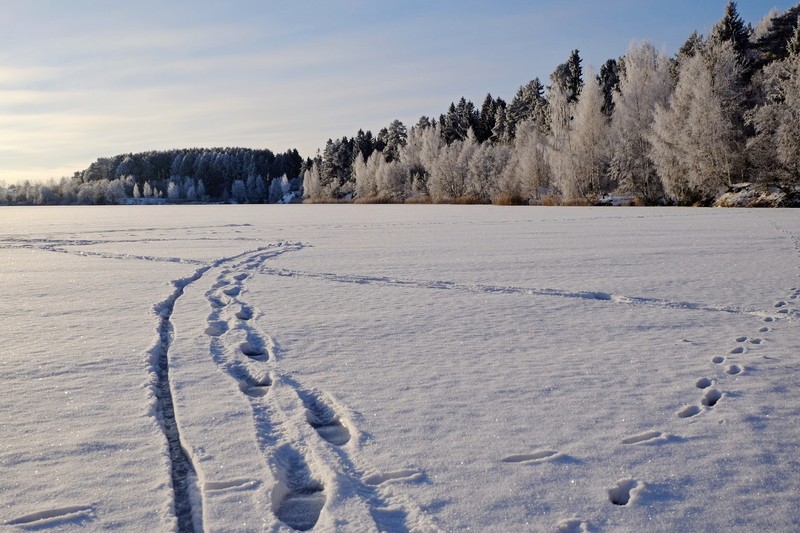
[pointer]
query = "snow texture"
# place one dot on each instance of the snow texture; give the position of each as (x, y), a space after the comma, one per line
(399, 368)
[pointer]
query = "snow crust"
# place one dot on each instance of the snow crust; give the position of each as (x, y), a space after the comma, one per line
(399, 368)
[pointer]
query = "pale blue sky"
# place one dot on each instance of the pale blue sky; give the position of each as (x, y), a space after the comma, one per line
(81, 79)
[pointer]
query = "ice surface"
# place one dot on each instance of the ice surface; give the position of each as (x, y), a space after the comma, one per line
(399, 368)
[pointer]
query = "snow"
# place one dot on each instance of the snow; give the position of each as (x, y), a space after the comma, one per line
(399, 368)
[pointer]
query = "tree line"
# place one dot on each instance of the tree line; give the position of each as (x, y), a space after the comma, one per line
(723, 110)
(241, 175)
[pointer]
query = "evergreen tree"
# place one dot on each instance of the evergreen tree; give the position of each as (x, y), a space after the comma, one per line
(731, 28)
(609, 83)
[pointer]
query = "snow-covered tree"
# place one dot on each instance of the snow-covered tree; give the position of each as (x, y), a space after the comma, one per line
(173, 191)
(527, 172)
(697, 142)
(589, 144)
(645, 84)
(239, 191)
(774, 151)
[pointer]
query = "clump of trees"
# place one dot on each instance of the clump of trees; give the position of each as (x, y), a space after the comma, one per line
(723, 110)
(240, 175)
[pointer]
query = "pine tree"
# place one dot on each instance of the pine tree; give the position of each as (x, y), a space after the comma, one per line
(609, 82)
(731, 28)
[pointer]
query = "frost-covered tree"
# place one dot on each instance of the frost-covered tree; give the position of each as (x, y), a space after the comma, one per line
(774, 151)
(174, 191)
(256, 189)
(313, 189)
(559, 153)
(696, 141)
(645, 84)
(485, 170)
(239, 191)
(191, 191)
(589, 144)
(527, 173)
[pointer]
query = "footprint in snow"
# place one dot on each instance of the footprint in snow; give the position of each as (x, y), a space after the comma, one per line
(245, 313)
(625, 492)
(780, 303)
(253, 350)
(733, 370)
(711, 397)
(216, 328)
(743, 338)
(572, 525)
(703, 383)
(535, 457)
(738, 350)
(768, 319)
(646, 437)
(387, 477)
(324, 419)
(241, 277)
(718, 359)
(303, 496)
(756, 341)
(689, 411)
(232, 291)
(763, 329)
(73, 514)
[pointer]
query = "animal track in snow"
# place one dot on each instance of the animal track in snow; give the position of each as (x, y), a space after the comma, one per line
(780, 303)
(399, 475)
(737, 350)
(718, 359)
(703, 383)
(303, 496)
(535, 457)
(689, 411)
(324, 419)
(756, 341)
(768, 319)
(624, 492)
(743, 338)
(49, 517)
(763, 329)
(648, 436)
(733, 370)
(711, 397)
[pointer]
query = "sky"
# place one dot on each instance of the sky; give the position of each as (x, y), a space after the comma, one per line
(91, 78)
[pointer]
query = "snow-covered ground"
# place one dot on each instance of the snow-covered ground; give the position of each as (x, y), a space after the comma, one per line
(399, 368)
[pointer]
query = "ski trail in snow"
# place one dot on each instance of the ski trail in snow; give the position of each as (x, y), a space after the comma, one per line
(183, 474)
(187, 503)
(499, 289)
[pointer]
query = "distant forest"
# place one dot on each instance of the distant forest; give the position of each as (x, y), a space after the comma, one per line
(721, 115)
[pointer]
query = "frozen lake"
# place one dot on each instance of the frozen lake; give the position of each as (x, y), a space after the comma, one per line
(399, 368)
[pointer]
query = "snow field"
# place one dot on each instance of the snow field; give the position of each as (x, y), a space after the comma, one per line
(402, 368)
